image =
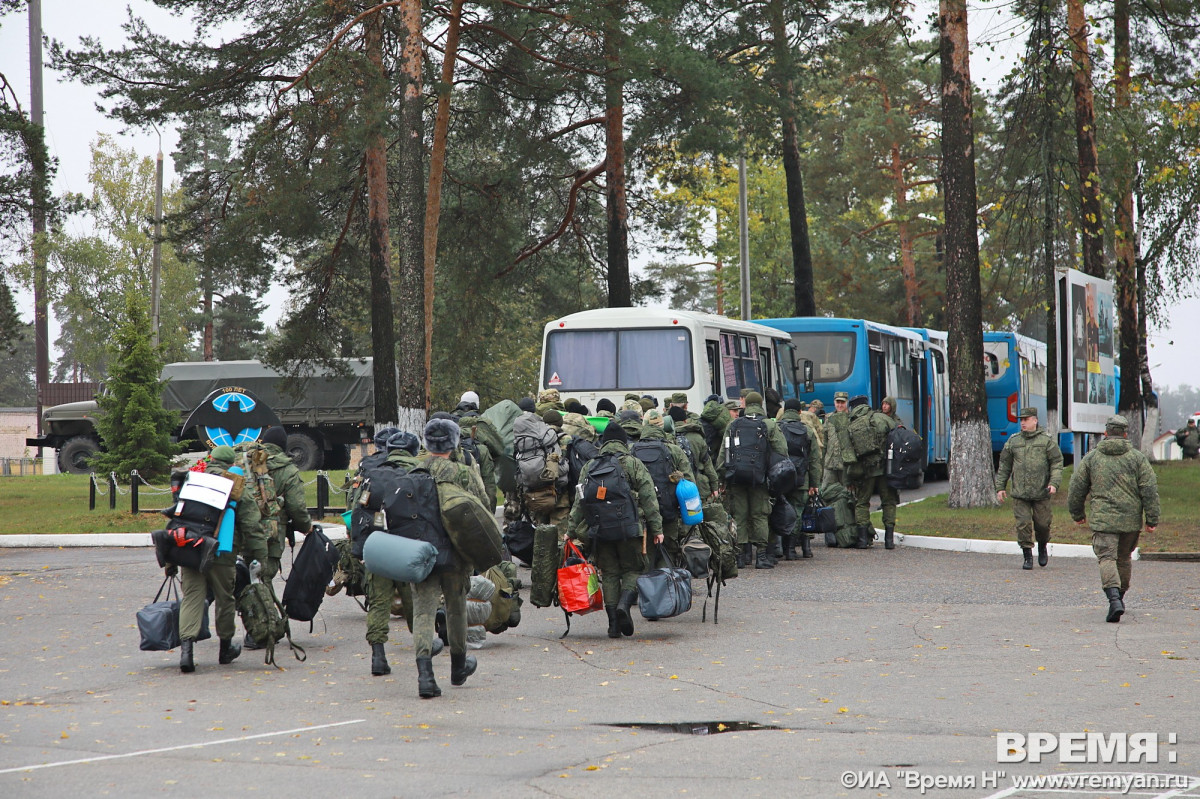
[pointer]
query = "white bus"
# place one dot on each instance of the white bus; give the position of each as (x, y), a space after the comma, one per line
(613, 351)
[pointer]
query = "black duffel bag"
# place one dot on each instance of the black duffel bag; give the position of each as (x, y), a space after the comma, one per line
(158, 622)
(518, 538)
(664, 592)
(181, 545)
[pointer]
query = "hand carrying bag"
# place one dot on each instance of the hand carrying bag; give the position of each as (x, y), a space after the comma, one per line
(665, 592)
(158, 622)
(578, 585)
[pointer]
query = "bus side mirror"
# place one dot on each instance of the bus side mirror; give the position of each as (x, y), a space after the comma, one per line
(809, 384)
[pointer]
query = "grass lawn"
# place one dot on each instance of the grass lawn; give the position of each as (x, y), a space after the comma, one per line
(59, 504)
(1178, 531)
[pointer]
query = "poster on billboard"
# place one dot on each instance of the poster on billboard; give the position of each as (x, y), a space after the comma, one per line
(1086, 350)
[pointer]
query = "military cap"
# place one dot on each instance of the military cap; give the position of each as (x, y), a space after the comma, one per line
(1025, 413)
(549, 395)
(745, 391)
(753, 398)
(1116, 424)
(817, 404)
(632, 405)
(402, 439)
(224, 454)
(679, 398)
(841, 395)
(632, 396)
(653, 416)
(441, 435)
(733, 405)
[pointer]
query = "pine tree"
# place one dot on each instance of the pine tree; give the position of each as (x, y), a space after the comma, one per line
(134, 426)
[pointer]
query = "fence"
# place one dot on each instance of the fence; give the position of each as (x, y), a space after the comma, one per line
(138, 486)
(20, 467)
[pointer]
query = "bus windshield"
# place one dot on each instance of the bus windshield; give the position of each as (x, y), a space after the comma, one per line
(995, 359)
(608, 360)
(832, 354)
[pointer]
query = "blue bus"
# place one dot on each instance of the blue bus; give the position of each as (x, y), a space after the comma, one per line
(863, 357)
(1014, 368)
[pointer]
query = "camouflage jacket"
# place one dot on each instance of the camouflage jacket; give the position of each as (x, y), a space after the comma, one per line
(811, 479)
(1034, 462)
(640, 483)
(445, 470)
(679, 458)
(249, 541)
(286, 506)
(706, 474)
(1122, 487)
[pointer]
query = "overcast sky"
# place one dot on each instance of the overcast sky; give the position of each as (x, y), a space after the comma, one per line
(72, 124)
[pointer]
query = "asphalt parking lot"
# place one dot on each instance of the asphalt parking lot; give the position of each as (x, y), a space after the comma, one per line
(855, 668)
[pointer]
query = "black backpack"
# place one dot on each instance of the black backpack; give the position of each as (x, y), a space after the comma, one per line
(798, 443)
(712, 437)
(746, 449)
(608, 502)
(579, 452)
(376, 484)
(412, 510)
(686, 446)
(470, 447)
(657, 458)
(904, 449)
(311, 572)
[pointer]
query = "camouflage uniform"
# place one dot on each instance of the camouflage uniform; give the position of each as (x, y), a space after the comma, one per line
(810, 478)
(1123, 491)
(836, 443)
(707, 479)
(487, 463)
(292, 504)
(864, 475)
(750, 506)
(249, 543)
(1188, 439)
(621, 562)
(674, 530)
(717, 415)
(381, 590)
(1034, 463)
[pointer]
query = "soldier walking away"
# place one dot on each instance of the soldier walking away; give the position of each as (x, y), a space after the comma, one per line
(667, 464)
(248, 542)
(804, 450)
(1123, 491)
(1034, 463)
(743, 460)
(864, 456)
(1188, 439)
(615, 512)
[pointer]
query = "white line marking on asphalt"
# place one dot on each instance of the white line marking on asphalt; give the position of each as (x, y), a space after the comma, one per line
(184, 746)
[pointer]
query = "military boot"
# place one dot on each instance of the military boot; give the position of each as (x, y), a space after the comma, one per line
(624, 620)
(746, 556)
(249, 644)
(764, 559)
(614, 631)
(1043, 553)
(461, 667)
(186, 664)
(776, 547)
(805, 545)
(1027, 558)
(1115, 606)
(866, 536)
(789, 546)
(379, 663)
(427, 687)
(889, 536)
(229, 651)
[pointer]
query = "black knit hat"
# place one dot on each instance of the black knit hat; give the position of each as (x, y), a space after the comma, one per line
(677, 413)
(527, 404)
(605, 404)
(275, 435)
(614, 432)
(858, 399)
(793, 404)
(441, 435)
(553, 418)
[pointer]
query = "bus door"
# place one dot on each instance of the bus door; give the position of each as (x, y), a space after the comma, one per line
(713, 350)
(740, 366)
(920, 379)
(878, 362)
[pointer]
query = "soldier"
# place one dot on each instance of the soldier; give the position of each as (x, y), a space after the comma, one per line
(605, 407)
(749, 504)
(808, 470)
(248, 542)
(449, 579)
(1123, 490)
(676, 468)
(688, 428)
(1034, 462)
(1188, 439)
(620, 561)
(867, 431)
(836, 441)
(549, 400)
(289, 509)
(713, 421)
(814, 417)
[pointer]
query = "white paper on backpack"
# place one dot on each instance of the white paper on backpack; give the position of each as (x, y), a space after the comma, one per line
(208, 489)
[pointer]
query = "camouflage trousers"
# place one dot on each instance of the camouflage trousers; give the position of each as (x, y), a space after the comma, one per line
(620, 564)
(1033, 517)
(750, 507)
(220, 577)
(450, 583)
(888, 496)
(380, 592)
(1113, 550)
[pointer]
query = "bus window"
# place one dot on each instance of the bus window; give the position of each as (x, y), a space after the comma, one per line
(995, 359)
(939, 363)
(582, 360)
(608, 360)
(764, 366)
(739, 364)
(832, 354)
(897, 354)
(714, 359)
(655, 358)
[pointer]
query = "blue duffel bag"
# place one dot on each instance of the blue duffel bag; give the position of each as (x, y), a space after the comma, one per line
(665, 592)
(404, 560)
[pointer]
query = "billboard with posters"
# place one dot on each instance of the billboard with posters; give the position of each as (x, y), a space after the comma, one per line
(1086, 350)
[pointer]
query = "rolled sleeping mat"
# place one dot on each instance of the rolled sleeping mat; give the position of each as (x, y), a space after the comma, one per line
(397, 558)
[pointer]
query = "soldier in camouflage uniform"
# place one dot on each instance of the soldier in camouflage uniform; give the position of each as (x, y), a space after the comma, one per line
(806, 481)
(620, 562)
(864, 473)
(836, 441)
(291, 505)
(750, 506)
(1035, 463)
(687, 426)
(1124, 491)
(674, 531)
(250, 544)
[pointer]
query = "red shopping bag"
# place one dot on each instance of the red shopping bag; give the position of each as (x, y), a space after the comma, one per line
(578, 585)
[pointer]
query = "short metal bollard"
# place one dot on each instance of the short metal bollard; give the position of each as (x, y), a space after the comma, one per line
(112, 490)
(322, 494)
(133, 492)
(92, 492)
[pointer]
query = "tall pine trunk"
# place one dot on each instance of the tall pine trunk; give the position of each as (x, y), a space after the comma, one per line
(379, 260)
(616, 208)
(413, 405)
(1126, 289)
(1091, 225)
(971, 456)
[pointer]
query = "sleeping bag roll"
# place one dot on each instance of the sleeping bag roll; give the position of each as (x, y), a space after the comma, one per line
(395, 557)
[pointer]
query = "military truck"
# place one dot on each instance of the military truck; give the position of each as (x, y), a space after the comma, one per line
(324, 419)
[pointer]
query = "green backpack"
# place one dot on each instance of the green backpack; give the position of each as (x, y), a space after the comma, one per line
(263, 616)
(543, 576)
(721, 538)
(842, 501)
(349, 573)
(865, 438)
(506, 602)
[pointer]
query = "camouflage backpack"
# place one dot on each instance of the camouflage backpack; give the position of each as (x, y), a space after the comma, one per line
(262, 615)
(262, 488)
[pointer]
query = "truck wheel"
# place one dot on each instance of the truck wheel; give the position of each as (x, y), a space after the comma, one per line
(304, 451)
(338, 457)
(74, 455)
